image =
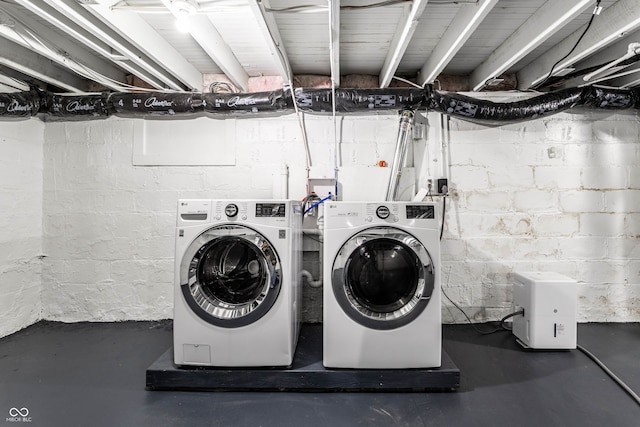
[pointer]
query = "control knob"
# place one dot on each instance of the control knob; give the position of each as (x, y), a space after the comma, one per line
(383, 212)
(231, 210)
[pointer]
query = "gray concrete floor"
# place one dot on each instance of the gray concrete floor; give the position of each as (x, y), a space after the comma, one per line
(93, 374)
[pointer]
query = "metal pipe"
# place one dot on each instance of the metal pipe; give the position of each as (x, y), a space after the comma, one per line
(404, 133)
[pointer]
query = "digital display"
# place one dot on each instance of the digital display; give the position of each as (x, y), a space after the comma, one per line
(420, 211)
(270, 210)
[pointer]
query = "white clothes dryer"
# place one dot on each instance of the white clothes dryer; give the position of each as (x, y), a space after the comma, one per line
(381, 285)
(237, 282)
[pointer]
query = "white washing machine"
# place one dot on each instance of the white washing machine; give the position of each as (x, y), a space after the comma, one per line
(237, 278)
(381, 285)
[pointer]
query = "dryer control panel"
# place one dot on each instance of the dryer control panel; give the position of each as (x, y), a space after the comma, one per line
(349, 214)
(270, 210)
(421, 211)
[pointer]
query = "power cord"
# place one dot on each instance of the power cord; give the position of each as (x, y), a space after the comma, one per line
(444, 211)
(613, 376)
(596, 11)
(501, 325)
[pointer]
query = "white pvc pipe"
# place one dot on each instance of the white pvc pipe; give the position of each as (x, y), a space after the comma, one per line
(284, 181)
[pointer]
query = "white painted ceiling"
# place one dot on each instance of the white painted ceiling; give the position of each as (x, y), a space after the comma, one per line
(89, 45)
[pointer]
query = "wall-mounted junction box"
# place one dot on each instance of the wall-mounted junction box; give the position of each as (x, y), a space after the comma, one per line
(549, 302)
(322, 186)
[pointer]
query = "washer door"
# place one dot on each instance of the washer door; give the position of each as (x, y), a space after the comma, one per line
(230, 276)
(383, 278)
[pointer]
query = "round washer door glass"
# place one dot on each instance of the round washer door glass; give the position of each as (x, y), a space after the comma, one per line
(383, 278)
(230, 276)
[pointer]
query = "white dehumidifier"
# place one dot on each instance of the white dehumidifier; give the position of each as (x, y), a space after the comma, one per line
(549, 302)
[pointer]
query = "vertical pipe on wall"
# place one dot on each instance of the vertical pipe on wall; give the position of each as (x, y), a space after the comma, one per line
(284, 181)
(404, 133)
(444, 145)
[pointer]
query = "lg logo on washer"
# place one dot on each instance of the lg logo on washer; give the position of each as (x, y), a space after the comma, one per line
(18, 415)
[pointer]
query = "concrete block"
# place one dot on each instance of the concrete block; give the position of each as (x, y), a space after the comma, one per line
(564, 178)
(601, 178)
(495, 201)
(511, 176)
(536, 201)
(578, 155)
(627, 247)
(603, 224)
(614, 132)
(582, 248)
(620, 154)
(605, 272)
(468, 178)
(556, 225)
(540, 249)
(634, 177)
(490, 249)
(484, 154)
(632, 225)
(622, 201)
(582, 201)
(453, 250)
(562, 131)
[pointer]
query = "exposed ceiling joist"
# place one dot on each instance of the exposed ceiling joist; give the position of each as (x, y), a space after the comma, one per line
(547, 20)
(462, 27)
(630, 79)
(207, 36)
(271, 33)
(334, 40)
(13, 81)
(157, 57)
(84, 37)
(119, 47)
(614, 22)
(30, 63)
(34, 36)
(401, 40)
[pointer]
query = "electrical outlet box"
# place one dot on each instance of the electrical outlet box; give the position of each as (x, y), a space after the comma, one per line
(549, 302)
(322, 186)
(443, 186)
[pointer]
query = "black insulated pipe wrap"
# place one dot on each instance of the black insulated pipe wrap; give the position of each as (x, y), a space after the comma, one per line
(20, 104)
(489, 112)
(242, 103)
(155, 103)
(185, 104)
(78, 107)
(359, 100)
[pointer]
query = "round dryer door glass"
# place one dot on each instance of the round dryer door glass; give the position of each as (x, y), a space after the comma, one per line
(230, 276)
(383, 278)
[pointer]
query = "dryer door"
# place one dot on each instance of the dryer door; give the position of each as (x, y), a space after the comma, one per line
(230, 276)
(383, 278)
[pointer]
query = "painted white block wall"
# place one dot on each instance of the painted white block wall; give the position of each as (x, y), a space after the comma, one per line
(20, 223)
(555, 194)
(109, 226)
(559, 194)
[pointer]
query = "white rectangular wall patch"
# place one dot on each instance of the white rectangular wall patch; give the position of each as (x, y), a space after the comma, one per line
(191, 142)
